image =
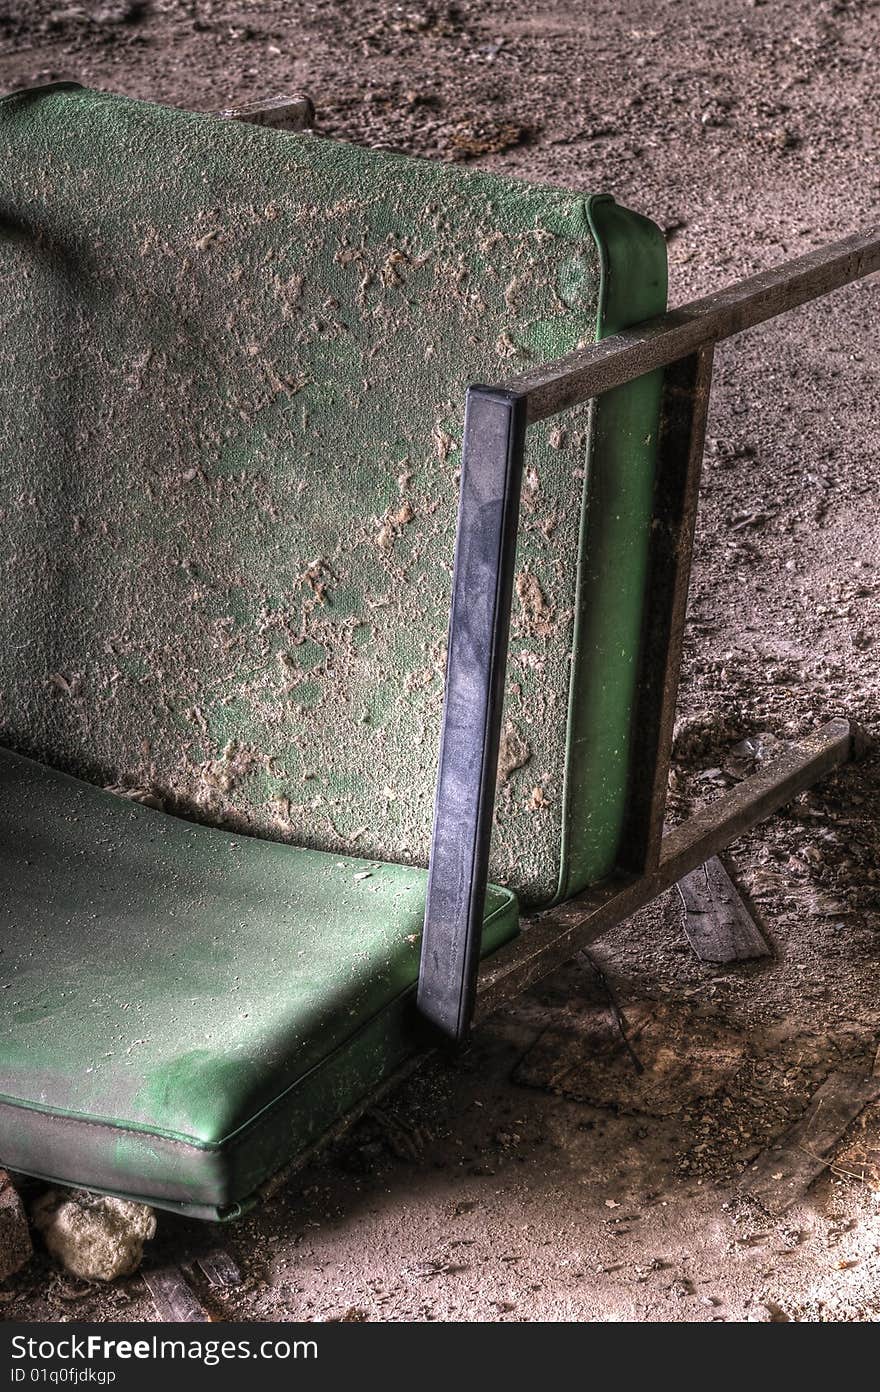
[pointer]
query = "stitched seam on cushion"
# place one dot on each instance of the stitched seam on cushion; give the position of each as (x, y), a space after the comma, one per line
(239, 1134)
(129, 1127)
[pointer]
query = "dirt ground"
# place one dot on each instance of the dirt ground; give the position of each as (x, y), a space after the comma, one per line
(541, 1177)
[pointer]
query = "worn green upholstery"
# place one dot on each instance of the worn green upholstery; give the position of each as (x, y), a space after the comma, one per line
(184, 1008)
(232, 375)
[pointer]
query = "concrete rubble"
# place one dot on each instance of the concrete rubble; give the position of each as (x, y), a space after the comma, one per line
(93, 1236)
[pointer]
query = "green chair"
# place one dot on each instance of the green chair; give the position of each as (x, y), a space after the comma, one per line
(233, 362)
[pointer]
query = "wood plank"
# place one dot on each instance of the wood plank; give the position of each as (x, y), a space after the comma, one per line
(718, 923)
(587, 372)
(219, 1267)
(782, 1175)
(284, 113)
(173, 1297)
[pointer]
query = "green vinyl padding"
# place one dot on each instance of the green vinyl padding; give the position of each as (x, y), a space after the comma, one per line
(184, 1009)
(232, 373)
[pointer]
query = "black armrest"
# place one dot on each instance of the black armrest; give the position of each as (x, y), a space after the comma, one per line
(479, 622)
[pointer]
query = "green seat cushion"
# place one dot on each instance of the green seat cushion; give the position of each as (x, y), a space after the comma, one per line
(186, 1009)
(232, 375)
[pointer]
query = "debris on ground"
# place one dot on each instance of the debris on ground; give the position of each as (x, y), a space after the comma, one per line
(586, 1059)
(783, 1174)
(173, 1297)
(15, 1238)
(94, 1236)
(481, 137)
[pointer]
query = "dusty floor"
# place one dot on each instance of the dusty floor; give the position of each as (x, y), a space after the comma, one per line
(488, 1190)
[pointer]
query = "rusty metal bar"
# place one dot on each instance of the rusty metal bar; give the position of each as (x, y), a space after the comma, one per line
(549, 939)
(588, 372)
(685, 407)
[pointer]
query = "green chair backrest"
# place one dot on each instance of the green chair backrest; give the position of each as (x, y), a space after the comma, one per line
(231, 400)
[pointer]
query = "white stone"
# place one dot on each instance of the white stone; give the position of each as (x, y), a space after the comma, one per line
(93, 1236)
